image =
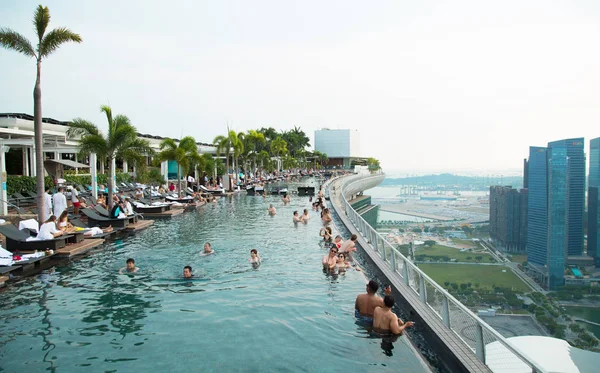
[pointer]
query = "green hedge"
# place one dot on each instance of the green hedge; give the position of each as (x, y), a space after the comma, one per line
(21, 184)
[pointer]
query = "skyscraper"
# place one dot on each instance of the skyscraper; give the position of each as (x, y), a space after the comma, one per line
(537, 206)
(593, 247)
(556, 181)
(508, 218)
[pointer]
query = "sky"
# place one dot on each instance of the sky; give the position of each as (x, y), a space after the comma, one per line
(429, 85)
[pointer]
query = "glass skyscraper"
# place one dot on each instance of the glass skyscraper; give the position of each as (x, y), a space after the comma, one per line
(537, 206)
(556, 181)
(593, 248)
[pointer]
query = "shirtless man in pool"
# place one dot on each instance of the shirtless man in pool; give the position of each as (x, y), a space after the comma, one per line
(385, 321)
(366, 303)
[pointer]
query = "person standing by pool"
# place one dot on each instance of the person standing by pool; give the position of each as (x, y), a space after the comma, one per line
(272, 210)
(60, 202)
(349, 246)
(208, 249)
(385, 321)
(129, 267)
(187, 272)
(47, 203)
(297, 219)
(365, 304)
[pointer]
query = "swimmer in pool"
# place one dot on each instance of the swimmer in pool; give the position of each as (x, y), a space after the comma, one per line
(305, 217)
(187, 272)
(272, 210)
(342, 264)
(297, 219)
(130, 267)
(385, 321)
(365, 304)
(207, 249)
(387, 289)
(254, 257)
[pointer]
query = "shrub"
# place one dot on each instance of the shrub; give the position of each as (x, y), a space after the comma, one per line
(21, 184)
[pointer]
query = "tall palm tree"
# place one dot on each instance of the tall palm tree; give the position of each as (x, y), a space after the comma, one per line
(121, 142)
(279, 147)
(185, 154)
(225, 144)
(46, 44)
(253, 140)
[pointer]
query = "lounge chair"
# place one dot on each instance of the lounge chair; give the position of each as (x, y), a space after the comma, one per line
(216, 192)
(21, 198)
(104, 212)
(17, 240)
(78, 223)
(151, 209)
(96, 220)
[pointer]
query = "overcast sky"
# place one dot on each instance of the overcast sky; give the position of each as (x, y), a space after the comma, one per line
(445, 85)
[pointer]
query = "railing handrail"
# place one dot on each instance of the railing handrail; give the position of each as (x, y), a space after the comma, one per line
(505, 342)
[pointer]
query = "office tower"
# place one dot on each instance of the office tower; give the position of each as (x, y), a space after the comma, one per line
(556, 181)
(593, 243)
(525, 174)
(508, 218)
(537, 206)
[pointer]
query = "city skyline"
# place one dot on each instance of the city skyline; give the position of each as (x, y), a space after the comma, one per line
(463, 85)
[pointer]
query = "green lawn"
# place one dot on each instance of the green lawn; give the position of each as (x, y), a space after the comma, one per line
(485, 276)
(466, 243)
(518, 259)
(452, 253)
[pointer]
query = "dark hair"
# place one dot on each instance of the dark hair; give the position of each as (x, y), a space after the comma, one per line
(373, 286)
(254, 251)
(64, 214)
(328, 229)
(388, 300)
(305, 210)
(187, 267)
(295, 212)
(130, 260)
(52, 218)
(354, 237)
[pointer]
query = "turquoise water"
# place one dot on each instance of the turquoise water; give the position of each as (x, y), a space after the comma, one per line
(588, 313)
(285, 316)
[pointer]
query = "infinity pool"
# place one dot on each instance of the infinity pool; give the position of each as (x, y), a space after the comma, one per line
(285, 316)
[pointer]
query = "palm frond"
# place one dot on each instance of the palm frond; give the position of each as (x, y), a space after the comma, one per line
(108, 111)
(141, 146)
(55, 39)
(81, 127)
(168, 144)
(121, 137)
(10, 39)
(166, 155)
(41, 19)
(94, 144)
(188, 144)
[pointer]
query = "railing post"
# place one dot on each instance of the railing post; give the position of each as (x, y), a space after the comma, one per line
(393, 260)
(376, 243)
(405, 273)
(479, 346)
(445, 312)
(422, 291)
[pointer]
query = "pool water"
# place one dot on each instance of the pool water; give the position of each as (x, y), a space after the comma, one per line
(286, 315)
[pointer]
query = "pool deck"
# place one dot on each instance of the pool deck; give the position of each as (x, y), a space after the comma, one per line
(141, 224)
(164, 215)
(79, 248)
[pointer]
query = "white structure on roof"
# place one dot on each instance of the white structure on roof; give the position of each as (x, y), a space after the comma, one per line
(339, 145)
(552, 354)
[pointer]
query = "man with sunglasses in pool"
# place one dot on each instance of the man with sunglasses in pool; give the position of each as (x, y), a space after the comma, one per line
(365, 304)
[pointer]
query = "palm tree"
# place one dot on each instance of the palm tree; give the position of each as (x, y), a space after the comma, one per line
(278, 147)
(46, 44)
(253, 140)
(120, 142)
(185, 154)
(225, 144)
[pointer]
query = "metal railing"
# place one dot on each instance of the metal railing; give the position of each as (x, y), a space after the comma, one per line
(472, 330)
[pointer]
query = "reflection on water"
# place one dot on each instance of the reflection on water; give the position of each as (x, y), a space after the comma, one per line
(232, 316)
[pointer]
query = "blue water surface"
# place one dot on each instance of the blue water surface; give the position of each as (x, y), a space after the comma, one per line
(285, 316)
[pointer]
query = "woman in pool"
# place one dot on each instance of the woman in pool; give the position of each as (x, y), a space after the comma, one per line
(341, 263)
(254, 257)
(330, 260)
(326, 216)
(326, 234)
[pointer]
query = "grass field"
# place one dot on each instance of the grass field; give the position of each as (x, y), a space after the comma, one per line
(518, 258)
(465, 243)
(485, 276)
(452, 253)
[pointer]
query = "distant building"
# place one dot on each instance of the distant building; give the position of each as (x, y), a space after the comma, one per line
(508, 218)
(593, 243)
(556, 181)
(341, 146)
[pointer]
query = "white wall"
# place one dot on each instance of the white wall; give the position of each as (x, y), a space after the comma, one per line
(338, 143)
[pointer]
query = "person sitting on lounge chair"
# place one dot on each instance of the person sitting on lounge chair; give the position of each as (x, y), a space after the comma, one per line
(63, 223)
(48, 230)
(118, 211)
(139, 194)
(101, 201)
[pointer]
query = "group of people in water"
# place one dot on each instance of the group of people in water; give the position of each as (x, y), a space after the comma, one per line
(371, 310)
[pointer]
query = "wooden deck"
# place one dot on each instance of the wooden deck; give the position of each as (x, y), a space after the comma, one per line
(3, 279)
(141, 224)
(163, 215)
(79, 248)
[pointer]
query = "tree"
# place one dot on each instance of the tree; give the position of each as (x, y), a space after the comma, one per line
(185, 154)
(278, 147)
(296, 140)
(120, 142)
(225, 144)
(252, 141)
(46, 44)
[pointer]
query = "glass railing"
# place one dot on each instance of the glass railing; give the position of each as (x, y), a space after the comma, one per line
(471, 330)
